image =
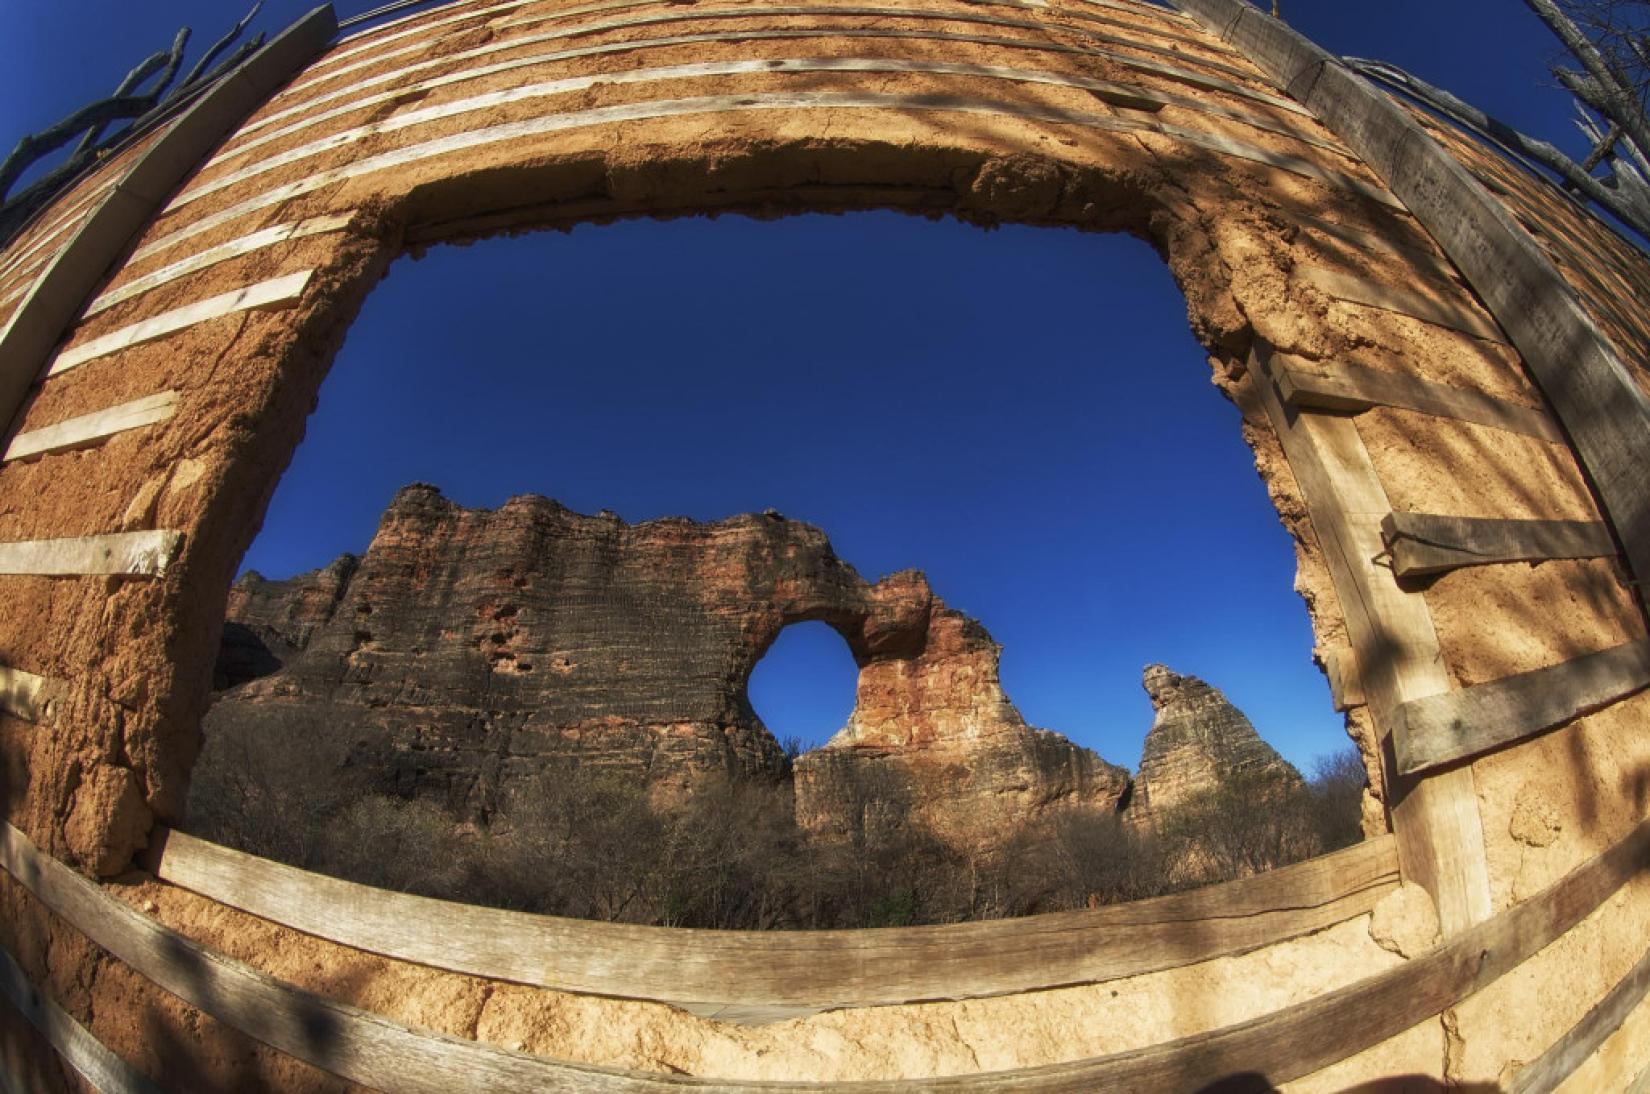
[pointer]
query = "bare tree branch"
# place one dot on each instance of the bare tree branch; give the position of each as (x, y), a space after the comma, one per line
(218, 47)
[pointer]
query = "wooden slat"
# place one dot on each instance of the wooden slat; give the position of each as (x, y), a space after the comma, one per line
(106, 233)
(734, 104)
(1357, 290)
(1440, 834)
(446, 62)
(714, 969)
(378, 56)
(91, 428)
(1283, 1045)
(276, 293)
(1343, 385)
(106, 1072)
(235, 248)
(1109, 91)
(1118, 93)
(1455, 725)
(27, 696)
(1430, 543)
(1583, 1039)
(138, 554)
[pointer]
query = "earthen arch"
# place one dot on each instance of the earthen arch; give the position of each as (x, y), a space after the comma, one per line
(1383, 373)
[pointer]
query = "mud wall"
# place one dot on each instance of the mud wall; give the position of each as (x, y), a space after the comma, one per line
(474, 118)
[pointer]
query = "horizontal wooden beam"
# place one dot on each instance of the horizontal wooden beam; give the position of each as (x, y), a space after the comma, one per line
(812, 969)
(276, 293)
(88, 429)
(1583, 1039)
(136, 554)
(1372, 294)
(1146, 98)
(1456, 725)
(212, 256)
(1283, 1045)
(106, 1072)
(27, 696)
(737, 104)
(1342, 385)
(1430, 543)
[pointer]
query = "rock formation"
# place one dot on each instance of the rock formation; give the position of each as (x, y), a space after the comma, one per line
(1198, 739)
(470, 651)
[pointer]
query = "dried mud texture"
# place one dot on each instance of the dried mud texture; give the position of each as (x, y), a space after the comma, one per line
(137, 654)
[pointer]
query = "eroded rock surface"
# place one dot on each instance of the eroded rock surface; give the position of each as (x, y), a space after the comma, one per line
(1198, 740)
(470, 650)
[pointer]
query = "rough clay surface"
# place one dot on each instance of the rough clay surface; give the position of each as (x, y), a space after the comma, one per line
(137, 655)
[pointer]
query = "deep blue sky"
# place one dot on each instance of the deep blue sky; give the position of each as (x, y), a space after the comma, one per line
(1021, 413)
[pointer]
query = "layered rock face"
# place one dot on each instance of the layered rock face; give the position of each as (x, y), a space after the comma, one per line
(1197, 741)
(934, 738)
(471, 651)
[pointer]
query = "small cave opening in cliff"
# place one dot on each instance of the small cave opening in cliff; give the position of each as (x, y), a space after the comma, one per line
(565, 494)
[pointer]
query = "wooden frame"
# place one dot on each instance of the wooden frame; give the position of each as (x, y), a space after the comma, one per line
(1283, 1045)
(1440, 833)
(714, 971)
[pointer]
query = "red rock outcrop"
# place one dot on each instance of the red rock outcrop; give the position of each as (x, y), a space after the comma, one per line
(1198, 741)
(469, 651)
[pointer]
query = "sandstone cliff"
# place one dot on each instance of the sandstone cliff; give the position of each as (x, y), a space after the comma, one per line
(1198, 740)
(468, 652)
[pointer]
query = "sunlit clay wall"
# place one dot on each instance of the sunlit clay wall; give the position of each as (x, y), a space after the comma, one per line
(1460, 507)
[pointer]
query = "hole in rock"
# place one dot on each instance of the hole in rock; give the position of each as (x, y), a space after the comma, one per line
(803, 687)
(988, 466)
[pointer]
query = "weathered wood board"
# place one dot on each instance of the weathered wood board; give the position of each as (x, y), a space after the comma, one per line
(1454, 725)
(1431, 543)
(809, 969)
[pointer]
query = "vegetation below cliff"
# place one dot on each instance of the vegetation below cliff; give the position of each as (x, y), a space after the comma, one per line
(588, 844)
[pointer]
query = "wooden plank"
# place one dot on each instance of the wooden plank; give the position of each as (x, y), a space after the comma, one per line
(1430, 543)
(1343, 385)
(1584, 1038)
(136, 554)
(1440, 834)
(88, 429)
(446, 62)
(27, 696)
(1356, 290)
(212, 256)
(1118, 93)
(734, 104)
(1602, 408)
(107, 231)
(1364, 242)
(1106, 90)
(1441, 729)
(1283, 1045)
(271, 295)
(100, 1067)
(708, 970)
(1346, 687)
